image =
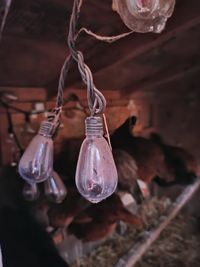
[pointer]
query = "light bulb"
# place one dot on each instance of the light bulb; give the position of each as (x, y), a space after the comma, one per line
(30, 192)
(143, 8)
(36, 164)
(55, 189)
(144, 15)
(96, 174)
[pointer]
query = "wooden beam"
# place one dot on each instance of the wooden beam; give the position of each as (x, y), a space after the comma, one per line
(163, 79)
(185, 17)
(139, 249)
(111, 57)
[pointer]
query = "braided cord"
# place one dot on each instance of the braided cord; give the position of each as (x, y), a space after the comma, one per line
(96, 100)
(61, 84)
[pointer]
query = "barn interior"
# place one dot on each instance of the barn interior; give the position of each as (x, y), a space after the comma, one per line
(153, 77)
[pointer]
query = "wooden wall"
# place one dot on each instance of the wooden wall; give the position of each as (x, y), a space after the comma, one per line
(173, 114)
(177, 118)
(72, 127)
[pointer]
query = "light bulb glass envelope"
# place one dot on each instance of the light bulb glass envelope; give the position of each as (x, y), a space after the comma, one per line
(36, 164)
(54, 188)
(96, 174)
(30, 192)
(144, 15)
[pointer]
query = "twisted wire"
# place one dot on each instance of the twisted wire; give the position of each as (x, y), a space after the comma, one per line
(61, 84)
(106, 39)
(64, 71)
(96, 100)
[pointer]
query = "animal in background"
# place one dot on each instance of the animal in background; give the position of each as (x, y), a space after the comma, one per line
(90, 222)
(180, 162)
(127, 174)
(127, 170)
(24, 242)
(66, 160)
(147, 154)
(63, 214)
(99, 221)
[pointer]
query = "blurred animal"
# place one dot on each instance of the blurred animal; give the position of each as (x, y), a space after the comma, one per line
(23, 240)
(127, 174)
(180, 163)
(147, 154)
(63, 214)
(99, 221)
(127, 170)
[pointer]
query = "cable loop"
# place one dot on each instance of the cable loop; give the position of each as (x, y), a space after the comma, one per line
(96, 100)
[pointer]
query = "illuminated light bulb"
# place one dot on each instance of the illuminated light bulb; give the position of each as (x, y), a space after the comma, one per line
(55, 189)
(96, 174)
(36, 164)
(30, 192)
(144, 15)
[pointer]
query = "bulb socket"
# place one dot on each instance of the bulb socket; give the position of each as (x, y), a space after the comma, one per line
(47, 129)
(94, 126)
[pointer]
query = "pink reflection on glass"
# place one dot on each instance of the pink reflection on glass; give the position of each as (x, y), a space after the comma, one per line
(96, 174)
(55, 189)
(36, 164)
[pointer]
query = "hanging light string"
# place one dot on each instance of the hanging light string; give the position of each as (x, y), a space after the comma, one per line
(66, 66)
(9, 108)
(94, 96)
(96, 100)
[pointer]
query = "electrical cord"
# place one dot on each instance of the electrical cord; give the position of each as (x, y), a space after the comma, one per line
(96, 100)
(12, 132)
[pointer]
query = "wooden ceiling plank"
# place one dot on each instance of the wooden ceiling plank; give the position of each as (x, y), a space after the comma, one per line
(134, 46)
(167, 79)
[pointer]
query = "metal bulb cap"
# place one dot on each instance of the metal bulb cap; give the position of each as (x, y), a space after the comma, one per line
(47, 129)
(94, 126)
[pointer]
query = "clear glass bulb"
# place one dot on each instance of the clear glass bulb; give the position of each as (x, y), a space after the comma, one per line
(55, 189)
(30, 192)
(36, 164)
(142, 8)
(144, 15)
(96, 174)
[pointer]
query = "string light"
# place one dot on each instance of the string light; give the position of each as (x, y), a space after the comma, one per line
(96, 174)
(36, 164)
(144, 15)
(54, 188)
(30, 192)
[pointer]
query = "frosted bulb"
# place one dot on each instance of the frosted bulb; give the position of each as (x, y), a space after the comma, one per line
(30, 192)
(55, 189)
(36, 164)
(144, 15)
(96, 174)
